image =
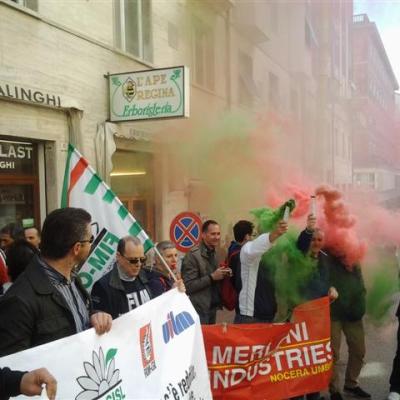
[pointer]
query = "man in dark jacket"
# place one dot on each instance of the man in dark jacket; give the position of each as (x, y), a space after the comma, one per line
(14, 383)
(201, 273)
(48, 302)
(126, 286)
(316, 283)
(347, 312)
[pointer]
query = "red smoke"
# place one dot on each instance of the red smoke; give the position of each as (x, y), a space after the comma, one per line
(341, 238)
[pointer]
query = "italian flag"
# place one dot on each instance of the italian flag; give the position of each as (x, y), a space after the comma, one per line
(111, 220)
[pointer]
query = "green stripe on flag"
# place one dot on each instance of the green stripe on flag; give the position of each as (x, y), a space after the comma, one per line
(135, 229)
(109, 196)
(93, 184)
(148, 244)
(122, 212)
(64, 195)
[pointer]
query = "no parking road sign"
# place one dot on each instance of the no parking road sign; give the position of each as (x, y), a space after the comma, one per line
(185, 231)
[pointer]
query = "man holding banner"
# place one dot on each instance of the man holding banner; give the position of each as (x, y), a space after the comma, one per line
(126, 286)
(14, 383)
(48, 301)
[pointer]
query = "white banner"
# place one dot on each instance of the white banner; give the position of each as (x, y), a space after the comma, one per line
(110, 219)
(153, 352)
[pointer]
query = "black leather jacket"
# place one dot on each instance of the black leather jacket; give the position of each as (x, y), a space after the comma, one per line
(33, 312)
(10, 382)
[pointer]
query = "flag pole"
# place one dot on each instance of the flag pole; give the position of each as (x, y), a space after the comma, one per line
(165, 264)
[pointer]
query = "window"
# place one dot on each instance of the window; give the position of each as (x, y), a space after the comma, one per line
(203, 55)
(19, 182)
(273, 93)
(132, 179)
(31, 4)
(173, 36)
(310, 37)
(246, 85)
(133, 28)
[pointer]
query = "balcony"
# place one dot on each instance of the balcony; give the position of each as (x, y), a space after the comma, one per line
(360, 19)
(248, 19)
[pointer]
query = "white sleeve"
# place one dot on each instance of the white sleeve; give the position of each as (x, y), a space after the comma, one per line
(255, 248)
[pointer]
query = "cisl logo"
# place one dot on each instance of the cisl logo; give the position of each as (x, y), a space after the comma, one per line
(102, 380)
(175, 325)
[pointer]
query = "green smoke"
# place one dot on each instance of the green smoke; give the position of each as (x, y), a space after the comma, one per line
(268, 218)
(287, 266)
(382, 283)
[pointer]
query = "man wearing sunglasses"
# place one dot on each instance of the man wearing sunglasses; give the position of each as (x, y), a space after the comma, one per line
(126, 286)
(48, 302)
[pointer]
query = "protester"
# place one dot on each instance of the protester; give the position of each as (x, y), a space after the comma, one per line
(14, 383)
(311, 242)
(32, 235)
(127, 285)
(19, 255)
(256, 293)
(201, 273)
(48, 302)
(395, 375)
(4, 278)
(10, 233)
(346, 316)
(242, 233)
(159, 277)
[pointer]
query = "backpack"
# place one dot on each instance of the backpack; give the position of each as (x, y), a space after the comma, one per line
(230, 286)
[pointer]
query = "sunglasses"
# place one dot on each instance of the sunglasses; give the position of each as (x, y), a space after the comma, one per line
(136, 260)
(91, 240)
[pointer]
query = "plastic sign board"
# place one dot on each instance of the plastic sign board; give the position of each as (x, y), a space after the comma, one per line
(150, 94)
(185, 231)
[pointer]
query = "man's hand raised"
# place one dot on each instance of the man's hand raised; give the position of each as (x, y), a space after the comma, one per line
(279, 231)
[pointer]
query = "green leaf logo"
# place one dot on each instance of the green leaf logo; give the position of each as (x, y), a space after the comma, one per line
(176, 74)
(115, 81)
(110, 355)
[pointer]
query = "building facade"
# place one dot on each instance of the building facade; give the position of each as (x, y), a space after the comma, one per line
(375, 141)
(288, 58)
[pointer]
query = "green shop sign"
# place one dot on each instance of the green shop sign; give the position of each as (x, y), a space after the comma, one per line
(150, 94)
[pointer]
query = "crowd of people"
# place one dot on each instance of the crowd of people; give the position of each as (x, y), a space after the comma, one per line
(43, 299)
(254, 282)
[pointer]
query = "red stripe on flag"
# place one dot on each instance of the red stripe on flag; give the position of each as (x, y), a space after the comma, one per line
(76, 173)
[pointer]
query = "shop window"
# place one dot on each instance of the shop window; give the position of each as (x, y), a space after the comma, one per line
(133, 27)
(132, 181)
(19, 183)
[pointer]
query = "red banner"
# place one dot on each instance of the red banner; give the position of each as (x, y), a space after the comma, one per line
(271, 361)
